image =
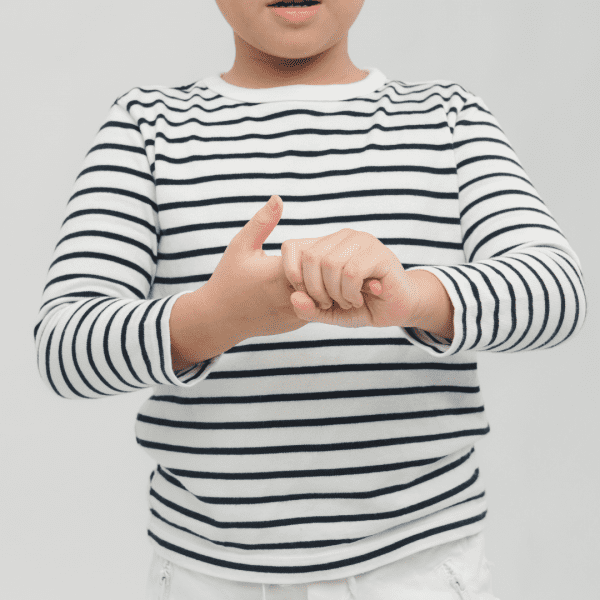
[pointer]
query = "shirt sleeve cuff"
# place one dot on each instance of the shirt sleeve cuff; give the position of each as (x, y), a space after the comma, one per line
(197, 372)
(190, 376)
(434, 344)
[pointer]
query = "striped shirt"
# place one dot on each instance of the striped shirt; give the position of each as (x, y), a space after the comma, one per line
(324, 452)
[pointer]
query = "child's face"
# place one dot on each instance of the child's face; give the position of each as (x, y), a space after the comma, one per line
(272, 46)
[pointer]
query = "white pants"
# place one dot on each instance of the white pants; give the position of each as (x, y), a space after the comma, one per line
(452, 571)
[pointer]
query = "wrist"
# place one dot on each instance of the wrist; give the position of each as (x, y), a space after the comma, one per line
(199, 329)
(435, 312)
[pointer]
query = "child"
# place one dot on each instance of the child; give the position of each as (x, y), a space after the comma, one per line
(305, 452)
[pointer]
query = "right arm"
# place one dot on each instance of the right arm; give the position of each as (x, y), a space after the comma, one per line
(199, 331)
(97, 333)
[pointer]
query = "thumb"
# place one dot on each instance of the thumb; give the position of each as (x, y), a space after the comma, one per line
(261, 225)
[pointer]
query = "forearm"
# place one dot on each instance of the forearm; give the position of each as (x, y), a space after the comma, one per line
(199, 331)
(436, 311)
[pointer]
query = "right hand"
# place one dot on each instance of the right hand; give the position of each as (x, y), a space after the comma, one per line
(250, 289)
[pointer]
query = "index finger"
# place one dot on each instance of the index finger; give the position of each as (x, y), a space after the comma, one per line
(291, 252)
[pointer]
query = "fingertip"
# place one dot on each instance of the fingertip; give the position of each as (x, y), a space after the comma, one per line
(376, 287)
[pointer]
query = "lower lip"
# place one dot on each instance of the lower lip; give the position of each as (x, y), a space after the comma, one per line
(296, 15)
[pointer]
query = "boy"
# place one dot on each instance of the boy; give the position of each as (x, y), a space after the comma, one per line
(314, 413)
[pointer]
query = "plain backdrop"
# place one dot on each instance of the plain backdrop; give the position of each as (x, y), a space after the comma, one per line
(73, 504)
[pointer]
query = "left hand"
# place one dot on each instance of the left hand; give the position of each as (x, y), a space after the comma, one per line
(338, 267)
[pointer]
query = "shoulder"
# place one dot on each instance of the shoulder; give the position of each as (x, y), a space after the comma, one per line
(448, 93)
(458, 103)
(156, 95)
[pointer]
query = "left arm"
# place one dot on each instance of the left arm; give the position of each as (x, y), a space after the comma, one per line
(520, 287)
(436, 311)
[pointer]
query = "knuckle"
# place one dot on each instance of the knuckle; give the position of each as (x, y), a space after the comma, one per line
(312, 257)
(350, 271)
(329, 263)
(370, 238)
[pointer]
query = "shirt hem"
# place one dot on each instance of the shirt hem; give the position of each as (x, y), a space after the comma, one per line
(463, 524)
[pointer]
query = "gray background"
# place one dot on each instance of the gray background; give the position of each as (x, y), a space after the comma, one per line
(73, 505)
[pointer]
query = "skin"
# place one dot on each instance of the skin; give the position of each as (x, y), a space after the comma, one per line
(272, 52)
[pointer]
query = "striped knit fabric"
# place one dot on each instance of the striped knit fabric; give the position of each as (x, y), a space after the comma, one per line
(327, 451)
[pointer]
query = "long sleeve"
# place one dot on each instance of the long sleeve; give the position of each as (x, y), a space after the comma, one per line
(521, 287)
(97, 333)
